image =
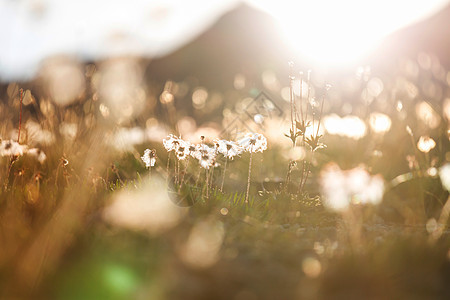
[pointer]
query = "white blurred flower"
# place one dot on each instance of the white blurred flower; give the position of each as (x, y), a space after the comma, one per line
(202, 248)
(409, 130)
(148, 208)
(355, 186)
(380, 123)
(444, 174)
(38, 154)
(349, 126)
(149, 158)
(432, 172)
(68, 130)
(425, 144)
(11, 148)
(37, 135)
(124, 139)
(228, 149)
(253, 142)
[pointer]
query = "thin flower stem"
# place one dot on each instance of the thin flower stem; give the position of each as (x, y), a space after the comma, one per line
(198, 178)
(288, 176)
(211, 175)
(306, 175)
(224, 170)
(177, 171)
(320, 115)
(207, 183)
(308, 100)
(167, 169)
(249, 174)
(292, 99)
(300, 184)
(301, 97)
(12, 161)
(20, 115)
(185, 171)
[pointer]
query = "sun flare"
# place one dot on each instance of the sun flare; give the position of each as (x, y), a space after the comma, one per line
(338, 32)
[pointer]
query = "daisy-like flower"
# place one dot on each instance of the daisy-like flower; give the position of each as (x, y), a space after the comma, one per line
(171, 143)
(207, 160)
(183, 149)
(12, 148)
(202, 149)
(206, 155)
(228, 149)
(253, 142)
(149, 158)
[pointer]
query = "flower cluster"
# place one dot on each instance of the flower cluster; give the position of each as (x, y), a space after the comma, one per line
(11, 148)
(207, 155)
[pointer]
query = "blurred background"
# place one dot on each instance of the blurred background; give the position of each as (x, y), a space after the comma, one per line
(103, 80)
(213, 56)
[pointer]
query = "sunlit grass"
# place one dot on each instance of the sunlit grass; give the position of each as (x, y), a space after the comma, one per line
(101, 199)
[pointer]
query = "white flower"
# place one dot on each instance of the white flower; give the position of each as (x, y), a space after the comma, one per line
(425, 144)
(171, 143)
(253, 142)
(228, 149)
(37, 154)
(149, 158)
(206, 155)
(183, 149)
(202, 149)
(11, 148)
(444, 174)
(207, 160)
(192, 150)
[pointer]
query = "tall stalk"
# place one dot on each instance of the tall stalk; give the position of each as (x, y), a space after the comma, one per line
(14, 158)
(249, 174)
(184, 172)
(293, 131)
(20, 115)
(291, 100)
(207, 183)
(167, 168)
(224, 171)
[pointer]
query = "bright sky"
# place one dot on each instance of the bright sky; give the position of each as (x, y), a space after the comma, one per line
(338, 31)
(328, 31)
